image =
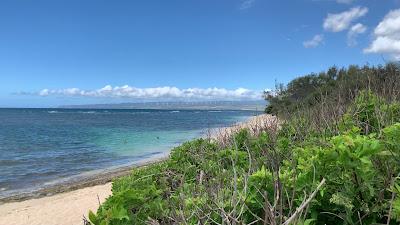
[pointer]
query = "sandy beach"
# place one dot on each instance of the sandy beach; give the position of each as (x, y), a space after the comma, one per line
(69, 202)
(62, 209)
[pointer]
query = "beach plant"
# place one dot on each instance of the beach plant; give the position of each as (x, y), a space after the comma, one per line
(341, 169)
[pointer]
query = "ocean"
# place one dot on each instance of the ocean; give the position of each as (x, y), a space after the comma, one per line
(39, 147)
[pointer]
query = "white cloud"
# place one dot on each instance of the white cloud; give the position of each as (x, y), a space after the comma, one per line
(345, 1)
(314, 42)
(161, 93)
(246, 4)
(354, 31)
(387, 36)
(342, 21)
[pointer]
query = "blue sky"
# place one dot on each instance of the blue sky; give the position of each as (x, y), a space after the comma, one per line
(58, 52)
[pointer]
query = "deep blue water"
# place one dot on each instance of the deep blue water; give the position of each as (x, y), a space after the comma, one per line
(38, 146)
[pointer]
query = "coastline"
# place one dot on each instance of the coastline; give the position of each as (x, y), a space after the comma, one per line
(68, 203)
(90, 179)
(65, 203)
(103, 176)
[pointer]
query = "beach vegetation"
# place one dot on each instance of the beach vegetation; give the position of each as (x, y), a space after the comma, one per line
(314, 165)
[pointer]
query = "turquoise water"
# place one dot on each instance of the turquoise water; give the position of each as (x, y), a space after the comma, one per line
(40, 146)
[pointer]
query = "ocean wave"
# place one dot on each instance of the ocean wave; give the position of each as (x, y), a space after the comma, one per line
(139, 112)
(51, 112)
(65, 136)
(87, 112)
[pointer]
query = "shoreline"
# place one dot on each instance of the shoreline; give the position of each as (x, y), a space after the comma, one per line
(99, 177)
(66, 203)
(107, 175)
(69, 203)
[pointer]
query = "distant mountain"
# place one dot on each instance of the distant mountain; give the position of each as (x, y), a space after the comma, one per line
(205, 105)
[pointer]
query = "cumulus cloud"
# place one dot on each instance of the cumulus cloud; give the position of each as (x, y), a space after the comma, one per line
(160, 93)
(354, 31)
(314, 42)
(387, 36)
(246, 4)
(342, 21)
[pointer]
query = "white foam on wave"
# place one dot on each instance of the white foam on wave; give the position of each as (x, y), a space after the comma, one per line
(87, 112)
(140, 112)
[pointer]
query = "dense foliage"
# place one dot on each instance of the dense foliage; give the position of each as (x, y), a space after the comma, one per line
(343, 171)
(337, 87)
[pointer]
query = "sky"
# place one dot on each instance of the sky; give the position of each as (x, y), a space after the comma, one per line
(60, 52)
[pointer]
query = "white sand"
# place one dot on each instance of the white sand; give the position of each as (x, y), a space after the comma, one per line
(69, 208)
(61, 209)
(255, 125)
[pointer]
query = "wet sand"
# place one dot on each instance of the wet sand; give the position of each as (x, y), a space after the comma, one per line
(82, 181)
(67, 203)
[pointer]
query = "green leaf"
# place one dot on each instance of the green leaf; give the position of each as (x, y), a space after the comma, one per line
(308, 221)
(93, 218)
(119, 213)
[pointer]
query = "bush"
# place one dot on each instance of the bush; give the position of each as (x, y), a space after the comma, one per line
(298, 175)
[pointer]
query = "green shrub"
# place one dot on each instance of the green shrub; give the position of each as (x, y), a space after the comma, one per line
(204, 183)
